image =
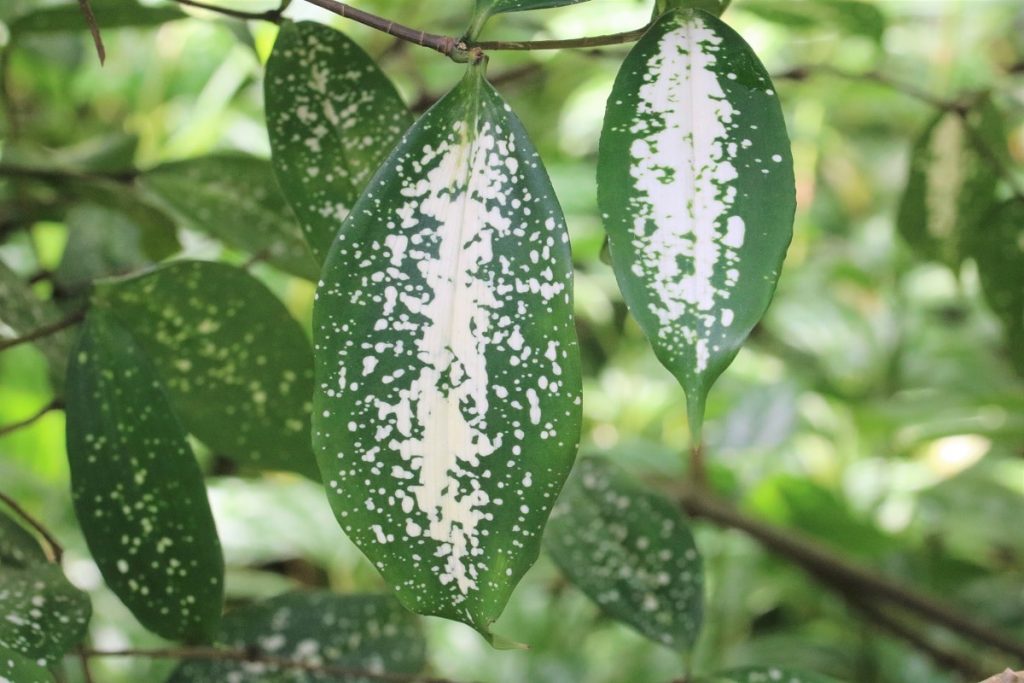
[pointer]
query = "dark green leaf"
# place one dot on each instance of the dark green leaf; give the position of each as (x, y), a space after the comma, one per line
(44, 616)
(157, 231)
(765, 674)
(22, 312)
(447, 410)
(138, 492)
(333, 116)
(110, 14)
(18, 548)
(235, 198)
(16, 668)
(629, 550)
(357, 632)
(714, 7)
(236, 365)
(695, 179)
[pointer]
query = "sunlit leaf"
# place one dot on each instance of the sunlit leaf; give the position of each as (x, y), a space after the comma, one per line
(351, 632)
(765, 674)
(18, 548)
(235, 198)
(22, 312)
(951, 187)
(447, 407)
(236, 365)
(43, 615)
(998, 249)
(137, 489)
(333, 116)
(629, 550)
(16, 668)
(695, 180)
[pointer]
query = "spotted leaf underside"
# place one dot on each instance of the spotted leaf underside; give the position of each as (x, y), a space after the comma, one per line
(235, 363)
(42, 615)
(354, 632)
(137, 490)
(18, 548)
(17, 668)
(631, 551)
(447, 407)
(765, 674)
(695, 182)
(333, 117)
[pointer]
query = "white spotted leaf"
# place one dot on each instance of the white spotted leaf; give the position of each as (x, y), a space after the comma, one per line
(348, 632)
(333, 117)
(446, 415)
(44, 616)
(18, 668)
(235, 198)
(695, 182)
(18, 548)
(236, 365)
(765, 674)
(137, 489)
(631, 551)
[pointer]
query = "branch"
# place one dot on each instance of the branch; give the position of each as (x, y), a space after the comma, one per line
(55, 404)
(94, 29)
(273, 16)
(55, 548)
(44, 331)
(219, 655)
(844, 576)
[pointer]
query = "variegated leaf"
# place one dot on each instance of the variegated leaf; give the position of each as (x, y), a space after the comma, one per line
(333, 117)
(16, 668)
(631, 551)
(695, 181)
(447, 407)
(137, 489)
(42, 615)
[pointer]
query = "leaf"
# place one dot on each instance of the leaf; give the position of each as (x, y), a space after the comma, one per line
(630, 551)
(951, 187)
(15, 668)
(22, 312)
(765, 674)
(44, 616)
(695, 180)
(18, 548)
(236, 365)
(447, 407)
(714, 7)
(110, 14)
(357, 632)
(333, 117)
(137, 490)
(853, 17)
(235, 198)
(498, 6)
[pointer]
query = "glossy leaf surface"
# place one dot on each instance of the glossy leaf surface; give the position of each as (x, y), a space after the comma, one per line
(44, 616)
(695, 182)
(447, 408)
(235, 198)
(631, 551)
(137, 490)
(354, 632)
(236, 365)
(333, 117)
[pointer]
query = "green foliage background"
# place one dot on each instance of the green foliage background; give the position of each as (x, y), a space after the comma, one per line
(876, 408)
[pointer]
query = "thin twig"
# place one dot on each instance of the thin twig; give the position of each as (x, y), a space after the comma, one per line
(94, 29)
(55, 404)
(56, 551)
(273, 16)
(44, 331)
(219, 655)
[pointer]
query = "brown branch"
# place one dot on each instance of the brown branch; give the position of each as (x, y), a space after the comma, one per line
(446, 45)
(838, 573)
(44, 331)
(273, 16)
(219, 655)
(56, 550)
(55, 404)
(94, 29)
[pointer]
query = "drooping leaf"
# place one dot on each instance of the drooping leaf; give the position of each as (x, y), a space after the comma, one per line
(110, 14)
(631, 551)
(137, 489)
(695, 180)
(18, 548)
(235, 198)
(22, 312)
(236, 365)
(333, 117)
(356, 632)
(447, 407)
(765, 674)
(43, 615)
(998, 249)
(951, 187)
(16, 668)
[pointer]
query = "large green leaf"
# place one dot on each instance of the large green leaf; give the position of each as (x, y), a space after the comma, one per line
(357, 632)
(110, 14)
(18, 548)
(333, 116)
(236, 365)
(43, 615)
(765, 674)
(695, 180)
(951, 187)
(235, 198)
(137, 489)
(998, 249)
(447, 407)
(22, 312)
(631, 551)
(16, 668)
